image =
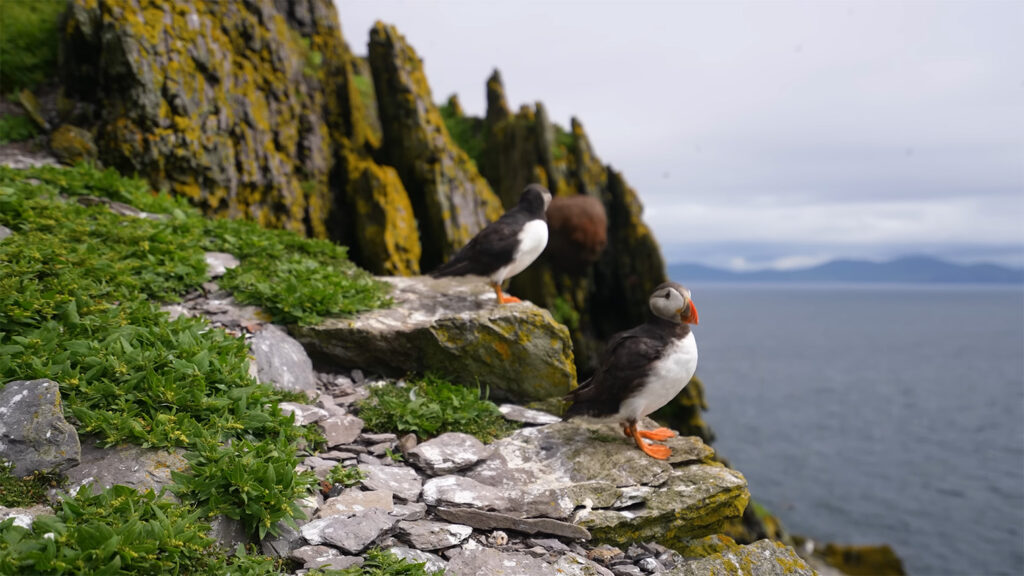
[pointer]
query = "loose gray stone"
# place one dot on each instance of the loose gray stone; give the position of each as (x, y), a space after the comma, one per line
(352, 534)
(484, 520)
(549, 543)
(410, 511)
(407, 443)
(370, 438)
(431, 562)
(400, 480)
(304, 413)
(382, 448)
(4, 233)
(335, 563)
(352, 501)
(282, 361)
(287, 540)
(576, 565)
(461, 491)
(320, 466)
(517, 413)
(34, 436)
(228, 532)
(763, 558)
(650, 565)
(448, 453)
(218, 263)
(308, 554)
(340, 430)
(431, 535)
(626, 570)
(337, 455)
(25, 516)
(140, 468)
(477, 562)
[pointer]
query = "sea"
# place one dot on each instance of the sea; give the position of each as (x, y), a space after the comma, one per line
(867, 414)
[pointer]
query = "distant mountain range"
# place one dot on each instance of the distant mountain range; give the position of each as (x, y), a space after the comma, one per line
(911, 269)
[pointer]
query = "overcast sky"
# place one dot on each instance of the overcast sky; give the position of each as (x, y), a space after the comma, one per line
(765, 133)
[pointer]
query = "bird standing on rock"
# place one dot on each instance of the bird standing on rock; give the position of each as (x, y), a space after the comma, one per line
(643, 368)
(506, 246)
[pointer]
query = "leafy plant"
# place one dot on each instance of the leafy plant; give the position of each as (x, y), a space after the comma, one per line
(247, 481)
(16, 128)
(468, 133)
(563, 313)
(29, 36)
(383, 563)
(565, 142)
(430, 406)
(342, 476)
(17, 492)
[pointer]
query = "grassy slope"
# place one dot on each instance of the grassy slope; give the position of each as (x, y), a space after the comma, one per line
(79, 294)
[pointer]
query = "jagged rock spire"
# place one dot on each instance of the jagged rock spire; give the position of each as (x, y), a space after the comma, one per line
(497, 106)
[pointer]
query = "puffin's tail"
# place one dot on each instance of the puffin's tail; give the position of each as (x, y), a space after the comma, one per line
(455, 267)
(578, 406)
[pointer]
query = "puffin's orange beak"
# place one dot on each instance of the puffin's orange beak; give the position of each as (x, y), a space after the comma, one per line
(691, 316)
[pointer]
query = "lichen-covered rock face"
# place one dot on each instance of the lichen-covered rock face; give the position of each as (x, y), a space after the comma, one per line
(383, 219)
(453, 327)
(763, 558)
(451, 200)
(585, 471)
(71, 144)
(221, 102)
(34, 436)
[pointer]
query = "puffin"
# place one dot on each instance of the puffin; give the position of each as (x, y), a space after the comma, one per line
(644, 368)
(506, 246)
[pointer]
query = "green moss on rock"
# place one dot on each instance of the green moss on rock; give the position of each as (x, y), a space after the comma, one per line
(71, 144)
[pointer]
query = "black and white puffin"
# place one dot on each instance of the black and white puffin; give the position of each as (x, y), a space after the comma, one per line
(644, 368)
(506, 246)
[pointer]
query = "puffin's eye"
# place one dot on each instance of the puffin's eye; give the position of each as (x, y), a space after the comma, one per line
(668, 295)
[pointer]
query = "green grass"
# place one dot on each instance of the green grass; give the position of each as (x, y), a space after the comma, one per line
(364, 85)
(78, 293)
(467, 132)
(20, 492)
(430, 406)
(565, 143)
(29, 42)
(16, 128)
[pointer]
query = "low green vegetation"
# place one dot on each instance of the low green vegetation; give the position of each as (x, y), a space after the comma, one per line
(564, 313)
(16, 128)
(364, 86)
(384, 563)
(430, 406)
(29, 36)
(18, 492)
(79, 294)
(342, 476)
(565, 143)
(467, 132)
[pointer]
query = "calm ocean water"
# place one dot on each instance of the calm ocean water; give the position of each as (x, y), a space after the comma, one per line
(876, 414)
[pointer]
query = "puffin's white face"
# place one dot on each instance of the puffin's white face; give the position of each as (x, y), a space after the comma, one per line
(672, 301)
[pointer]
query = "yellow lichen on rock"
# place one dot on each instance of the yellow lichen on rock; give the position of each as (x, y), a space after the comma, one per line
(387, 237)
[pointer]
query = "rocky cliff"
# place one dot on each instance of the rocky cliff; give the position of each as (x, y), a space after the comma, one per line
(258, 109)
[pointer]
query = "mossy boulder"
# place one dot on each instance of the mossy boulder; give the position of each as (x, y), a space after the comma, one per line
(586, 471)
(453, 327)
(452, 201)
(383, 219)
(71, 145)
(221, 102)
(763, 558)
(878, 560)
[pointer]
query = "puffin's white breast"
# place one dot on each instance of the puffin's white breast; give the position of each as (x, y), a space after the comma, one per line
(532, 240)
(668, 376)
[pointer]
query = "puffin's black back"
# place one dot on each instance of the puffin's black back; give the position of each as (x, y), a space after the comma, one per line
(495, 245)
(624, 365)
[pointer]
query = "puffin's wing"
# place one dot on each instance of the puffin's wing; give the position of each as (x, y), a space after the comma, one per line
(492, 248)
(623, 367)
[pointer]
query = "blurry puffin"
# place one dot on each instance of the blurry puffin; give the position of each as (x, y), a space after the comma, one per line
(643, 368)
(506, 246)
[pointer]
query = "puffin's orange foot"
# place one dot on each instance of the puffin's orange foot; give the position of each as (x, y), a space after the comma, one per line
(509, 299)
(656, 451)
(659, 434)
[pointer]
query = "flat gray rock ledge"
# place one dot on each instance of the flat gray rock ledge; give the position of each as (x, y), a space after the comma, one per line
(484, 520)
(448, 453)
(518, 413)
